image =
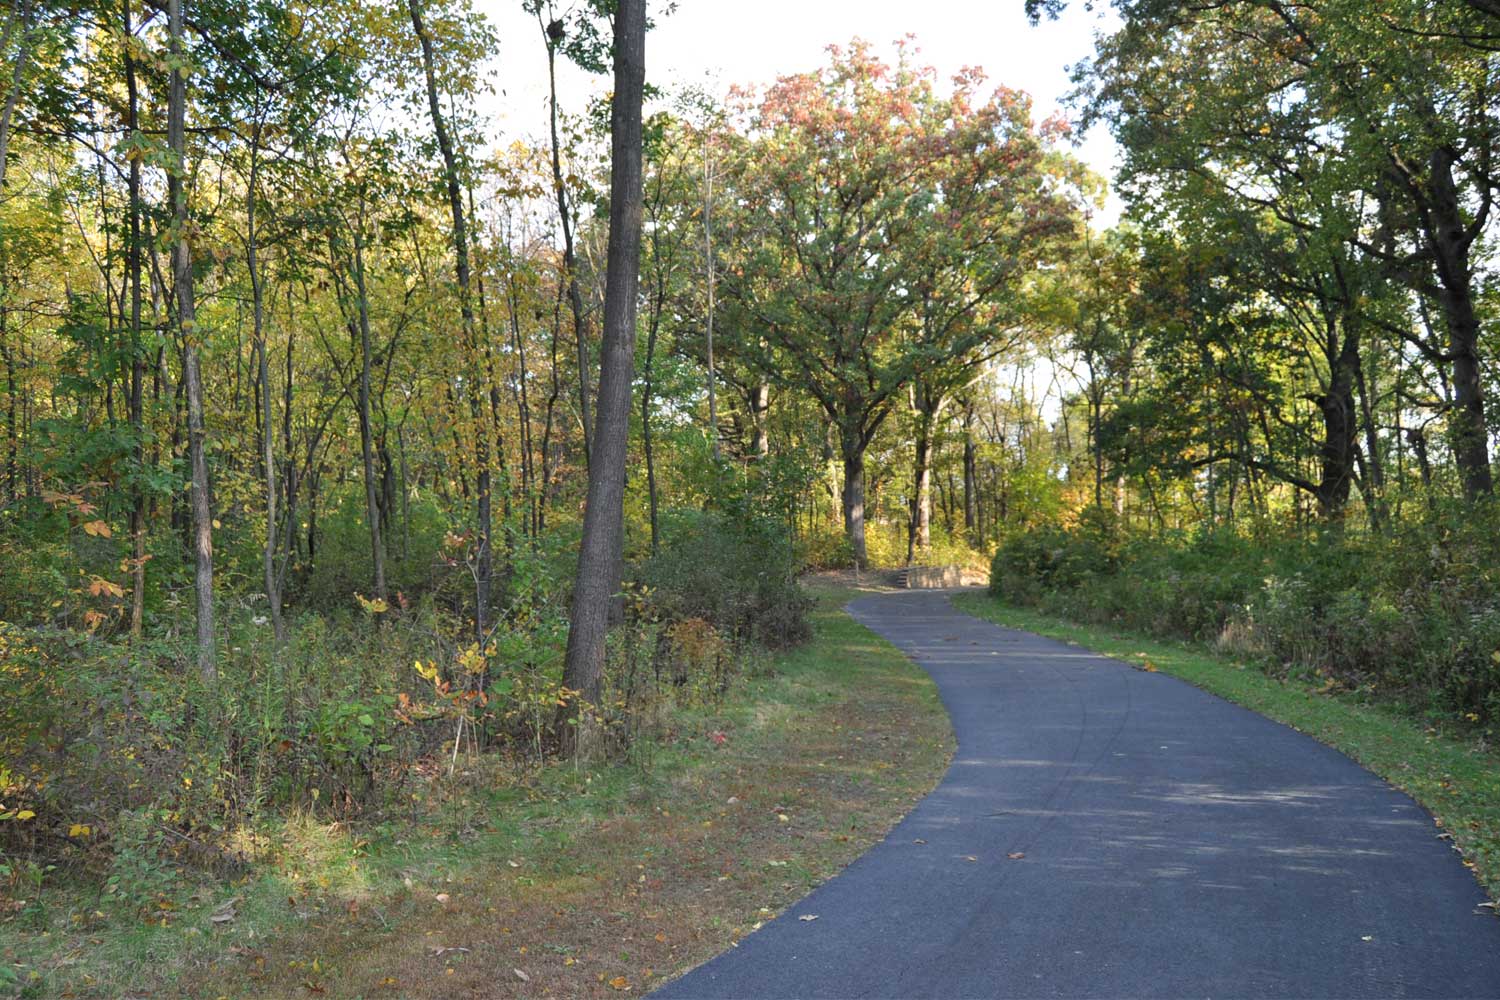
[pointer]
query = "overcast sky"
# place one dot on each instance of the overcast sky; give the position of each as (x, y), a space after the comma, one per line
(724, 42)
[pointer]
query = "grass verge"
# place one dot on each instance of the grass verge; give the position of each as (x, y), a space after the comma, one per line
(1457, 780)
(568, 881)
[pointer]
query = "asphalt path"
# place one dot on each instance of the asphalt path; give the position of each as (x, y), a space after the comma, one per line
(1109, 832)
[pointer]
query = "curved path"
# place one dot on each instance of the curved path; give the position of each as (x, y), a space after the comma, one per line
(1113, 833)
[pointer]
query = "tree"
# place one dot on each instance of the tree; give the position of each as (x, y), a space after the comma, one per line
(879, 221)
(191, 338)
(599, 553)
(477, 374)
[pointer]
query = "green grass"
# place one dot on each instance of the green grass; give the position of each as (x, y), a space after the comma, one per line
(1457, 780)
(579, 875)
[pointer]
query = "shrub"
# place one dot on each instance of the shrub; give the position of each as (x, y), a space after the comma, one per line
(1413, 613)
(734, 573)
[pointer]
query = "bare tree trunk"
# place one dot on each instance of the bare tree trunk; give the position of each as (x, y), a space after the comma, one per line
(523, 408)
(1339, 446)
(930, 405)
(1451, 244)
(366, 416)
(760, 408)
(20, 19)
(12, 425)
(708, 319)
(483, 557)
(853, 448)
(552, 35)
(647, 387)
(971, 479)
(599, 554)
(263, 370)
(137, 360)
(182, 271)
(1374, 485)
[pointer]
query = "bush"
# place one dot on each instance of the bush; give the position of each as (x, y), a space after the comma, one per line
(733, 573)
(1414, 613)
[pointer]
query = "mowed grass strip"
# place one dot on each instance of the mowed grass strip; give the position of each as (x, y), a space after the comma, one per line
(597, 882)
(1456, 779)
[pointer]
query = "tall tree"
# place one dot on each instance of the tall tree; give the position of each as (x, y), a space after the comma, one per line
(477, 373)
(599, 553)
(850, 186)
(191, 339)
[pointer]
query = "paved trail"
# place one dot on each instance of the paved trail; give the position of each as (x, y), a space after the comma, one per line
(1174, 845)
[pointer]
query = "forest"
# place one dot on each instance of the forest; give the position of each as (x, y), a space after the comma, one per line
(343, 445)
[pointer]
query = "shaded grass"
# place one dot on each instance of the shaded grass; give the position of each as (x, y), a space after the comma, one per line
(1457, 780)
(567, 880)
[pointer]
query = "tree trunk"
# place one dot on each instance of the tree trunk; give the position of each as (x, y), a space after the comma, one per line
(366, 416)
(971, 475)
(263, 375)
(1451, 250)
(919, 536)
(182, 272)
(552, 36)
(1374, 482)
(652, 329)
(137, 358)
(603, 521)
(20, 19)
(12, 425)
(852, 447)
(483, 557)
(523, 407)
(708, 316)
(760, 408)
(1340, 429)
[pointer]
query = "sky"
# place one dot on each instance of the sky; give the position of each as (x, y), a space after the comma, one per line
(719, 43)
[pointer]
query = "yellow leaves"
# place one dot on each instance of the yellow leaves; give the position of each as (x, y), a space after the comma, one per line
(472, 661)
(428, 672)
(619, 983)
(97, 529)
(79, 830)
(375, 606)
(100, 587)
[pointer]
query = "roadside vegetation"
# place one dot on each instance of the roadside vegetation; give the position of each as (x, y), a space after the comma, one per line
(519, 876)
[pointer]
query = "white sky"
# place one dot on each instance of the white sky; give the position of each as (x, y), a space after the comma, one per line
(723, 42)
